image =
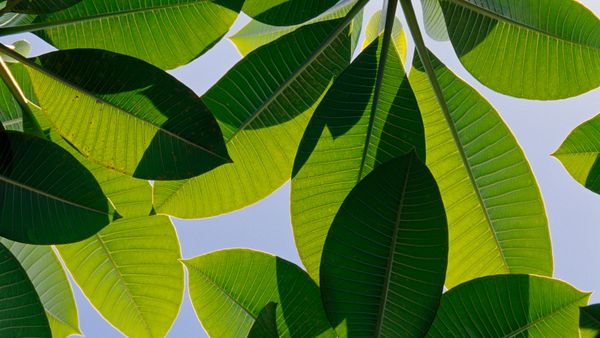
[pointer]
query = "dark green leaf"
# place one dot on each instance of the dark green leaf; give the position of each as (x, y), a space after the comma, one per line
(286, 12)
(265, 325)
(39, 6)
(589, 321)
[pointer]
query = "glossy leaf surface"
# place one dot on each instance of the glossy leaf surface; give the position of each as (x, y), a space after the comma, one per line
(580, 154)
(230, 288)
(385, 257)
(496, 218)
(510, 306)
(131, 274)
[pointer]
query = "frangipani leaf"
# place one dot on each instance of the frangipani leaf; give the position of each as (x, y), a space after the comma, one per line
(21, 312)
(51, 284)
(580, 154)
(39, 6)
(510, 306)
(589, 321)
(263, 106)
(265, 325)
(384, 261)
(360, 124)
(230, 288)
(496, 218)
(166, 33)
(11, 114)
(46, 196)
(126, 114)
(373, 31)
(537, 49)
(131, 274)
(285, 12)
(433, 17)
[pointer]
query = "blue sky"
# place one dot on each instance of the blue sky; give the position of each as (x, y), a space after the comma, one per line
(540, 127)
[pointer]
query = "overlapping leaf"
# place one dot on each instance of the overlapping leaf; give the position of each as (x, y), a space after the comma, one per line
(385, 257)
(166, 33)
(263, 105)
(369, 116)
(10, 112)
(433, 18)
(130, 272)
(580, 154)
(21, 312)
(46, 196)
(286, 12)
(510, 306)
(589, 321)
(51, 284)
(230, 288)
(496, 218)
(538, 49)
(38, 6)
(265, 325)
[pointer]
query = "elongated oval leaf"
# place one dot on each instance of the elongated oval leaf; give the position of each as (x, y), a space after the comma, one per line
(589, 321)
(265, 325)
(369, 116)
(385, 257)
(130, 272)
(127, 115)
(538, 49)
(50, 282)
(230, 288)
(166, 33)
(39, 6)
(286, 12)
(510, 306)
(46, 196)
(496, 218)
(263, 105)
(21, 312)
(580, 154)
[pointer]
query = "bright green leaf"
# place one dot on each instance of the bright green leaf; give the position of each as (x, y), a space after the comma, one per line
(536, 49)
(433, 17)
(131, 274)
(496, 218)
(373, 30)
(510, 306)
(39, 6)
(21, 312)
(285, 12)
(265, 325)
(359, 124)
(263, 105)
(589, 321)
(126, 114)
(50, 281)
(384, 261)
(166, 33)
(230, 288)
(580, 154)
(46, 196)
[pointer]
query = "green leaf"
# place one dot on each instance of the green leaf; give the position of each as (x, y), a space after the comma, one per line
(433, 18)
(285, 12)
(21, 312)
(589, 321)
(131, 274)
(50, 281)
(510, 306)
(125, 114)
(230, 288)
(46, 196)
(39, 6)
(385, 257)
(11, 114)
(580, 154)
(369, 116)
(496, 218)
(263, 106)
(537, 49)
(256, 34)
(373, 30)
(265, 325)
(166, 33)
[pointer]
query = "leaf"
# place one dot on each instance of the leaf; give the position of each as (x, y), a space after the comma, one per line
(589, 321)
(51, 284)
(360, 124)
(127, 115)
(11, 115)
(130, 273)
(433, 18)
(580, 154)
(285, 12)
(263, 106)
(373, 30)
(510, 306)
(21, 312)
(542, 49)
(384, 261)
(166, 33)
(39, 6)
(496, 218)
(265, 325)
(230, 288)
(46, 196)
